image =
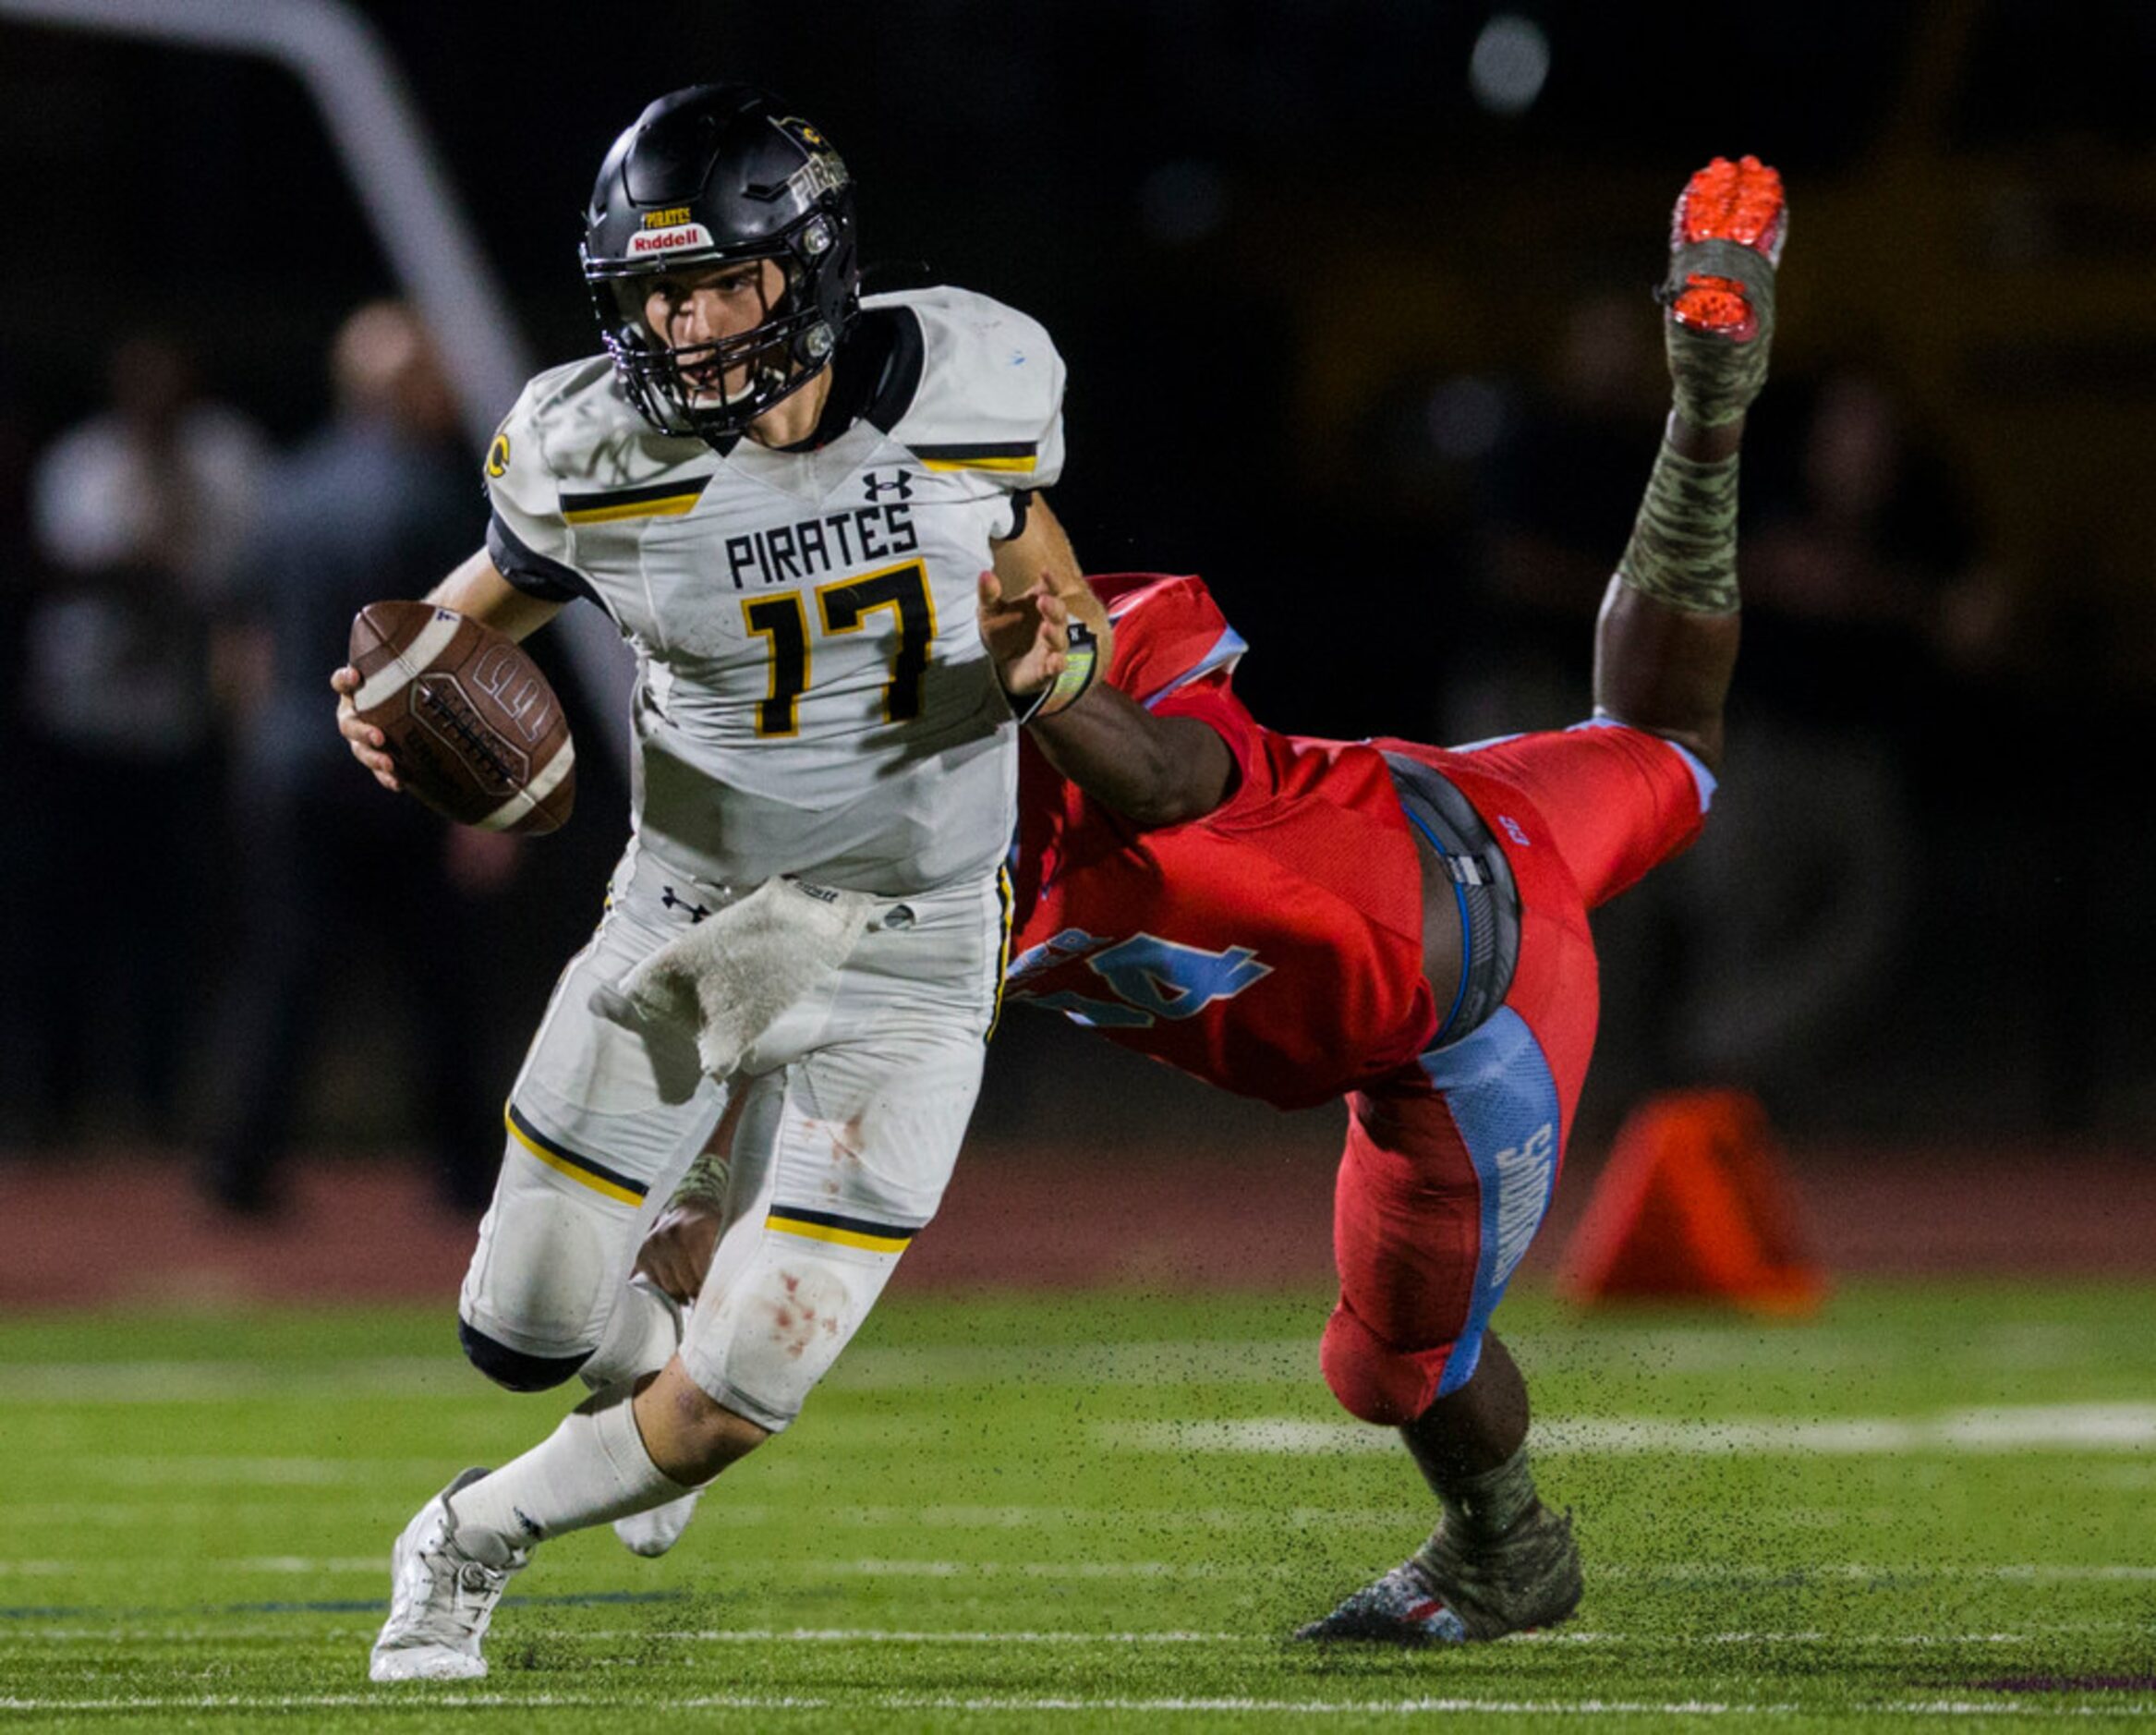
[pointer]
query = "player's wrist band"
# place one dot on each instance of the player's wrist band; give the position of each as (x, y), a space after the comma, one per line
(1081, 664)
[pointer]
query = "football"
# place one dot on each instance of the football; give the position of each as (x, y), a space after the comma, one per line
(473, 724)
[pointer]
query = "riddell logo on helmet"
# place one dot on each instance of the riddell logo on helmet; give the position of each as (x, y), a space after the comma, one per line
(668, 240)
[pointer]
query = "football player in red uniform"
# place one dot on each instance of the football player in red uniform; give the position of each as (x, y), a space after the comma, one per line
(1297, 919)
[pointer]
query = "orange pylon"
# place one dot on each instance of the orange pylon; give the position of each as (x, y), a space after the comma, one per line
(1694, 1202)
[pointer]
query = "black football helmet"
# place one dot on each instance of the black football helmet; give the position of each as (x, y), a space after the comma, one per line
(711, 175)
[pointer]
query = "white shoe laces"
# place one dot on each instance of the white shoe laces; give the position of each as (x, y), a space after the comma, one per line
(446, 1597)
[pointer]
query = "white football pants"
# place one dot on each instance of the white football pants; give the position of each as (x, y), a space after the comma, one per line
(853, 1106)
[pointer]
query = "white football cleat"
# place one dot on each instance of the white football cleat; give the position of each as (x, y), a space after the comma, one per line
(652, 1532)
(444, 1581)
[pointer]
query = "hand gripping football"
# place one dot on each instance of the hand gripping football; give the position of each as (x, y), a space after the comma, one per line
(474, 728)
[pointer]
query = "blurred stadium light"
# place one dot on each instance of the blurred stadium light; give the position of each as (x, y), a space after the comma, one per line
(1510, 63)
(405, 192)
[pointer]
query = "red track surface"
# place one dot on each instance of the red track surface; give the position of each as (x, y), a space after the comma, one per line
(124, 1226)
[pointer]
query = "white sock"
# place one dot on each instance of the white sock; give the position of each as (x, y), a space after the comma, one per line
(591, 1469)
(641, 1336)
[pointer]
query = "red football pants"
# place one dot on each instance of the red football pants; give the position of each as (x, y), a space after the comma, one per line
(1450, 1163)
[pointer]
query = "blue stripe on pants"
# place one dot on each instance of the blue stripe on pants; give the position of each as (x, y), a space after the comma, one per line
(1503, 1101)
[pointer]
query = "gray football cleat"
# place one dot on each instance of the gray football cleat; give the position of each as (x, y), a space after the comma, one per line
(1530, 1578)
(444, 1581)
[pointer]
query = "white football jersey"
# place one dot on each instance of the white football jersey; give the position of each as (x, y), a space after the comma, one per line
(812, 697)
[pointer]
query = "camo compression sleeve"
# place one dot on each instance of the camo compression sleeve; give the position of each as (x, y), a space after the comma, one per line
(1719, 329)
(1683, 549)
(705, 1183)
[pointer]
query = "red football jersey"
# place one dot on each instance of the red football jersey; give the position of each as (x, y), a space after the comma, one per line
(1274, 947)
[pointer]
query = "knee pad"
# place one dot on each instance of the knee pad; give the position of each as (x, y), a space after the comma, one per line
(550, 1260)
(1374, 1381)
(769, 1325)
(512, 1368)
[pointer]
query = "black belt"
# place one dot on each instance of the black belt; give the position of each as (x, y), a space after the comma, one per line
(1483, 888)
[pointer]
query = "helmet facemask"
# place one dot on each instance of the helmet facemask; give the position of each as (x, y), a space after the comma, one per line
(682, 388)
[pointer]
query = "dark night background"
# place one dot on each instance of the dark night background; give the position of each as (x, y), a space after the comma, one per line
(1318, 302)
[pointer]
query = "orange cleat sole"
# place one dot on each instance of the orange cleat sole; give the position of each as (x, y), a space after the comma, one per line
(1714, 304)
(1739, 202)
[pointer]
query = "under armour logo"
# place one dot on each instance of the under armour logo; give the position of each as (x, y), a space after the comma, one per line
(697, 911)
(874, 489)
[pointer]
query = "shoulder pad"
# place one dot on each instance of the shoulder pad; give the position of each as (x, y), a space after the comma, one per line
(1168, 633)
(990, 401)
(580, 428)
(572, 434)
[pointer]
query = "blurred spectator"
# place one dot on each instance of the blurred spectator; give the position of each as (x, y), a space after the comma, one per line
(1558, 490)
(21, 1019)
(1864, 602)
(138, 512)
(337, 876)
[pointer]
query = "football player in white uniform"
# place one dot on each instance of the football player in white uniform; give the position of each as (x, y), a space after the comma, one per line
(783, 495)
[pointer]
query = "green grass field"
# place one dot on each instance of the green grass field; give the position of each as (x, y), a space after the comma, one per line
(1084, 1511)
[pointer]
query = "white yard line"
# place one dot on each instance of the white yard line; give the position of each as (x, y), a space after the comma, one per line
(1914, 1573)
(1065, 1517)
(906, 1702)
(902, 1567)
(1268, 1361)
(1290, 1360)
(136, 1470)
(150, 1509)
(894, 1567)
(215, 1381)
(23, 1633)
(268, 1566)
(1661, 1640)
(2085, 1427)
